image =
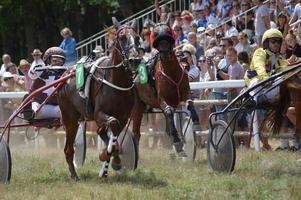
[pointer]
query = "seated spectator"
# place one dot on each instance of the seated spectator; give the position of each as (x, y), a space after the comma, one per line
(200, 18)
(193, 27)
(9, 85)
(99, 52)
(223, 8)
(192, 39)
(210, 16)
(180, 36)
(6, 59)
(229, 30)
(243, 44)
(12, 68)
(197, 4)
(293, 48)
(187, 19)
(245, 21)
(244, 60)
(37, 60)
(24, 67)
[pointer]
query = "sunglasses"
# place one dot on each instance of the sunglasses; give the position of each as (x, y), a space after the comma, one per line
(222, 45)
(274, 41)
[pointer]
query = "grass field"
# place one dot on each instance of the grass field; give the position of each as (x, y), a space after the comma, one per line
(44, 175)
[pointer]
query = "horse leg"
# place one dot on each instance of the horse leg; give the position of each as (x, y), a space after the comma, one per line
(137, 115)
(112, 147)
(169, 116)
(70, 122)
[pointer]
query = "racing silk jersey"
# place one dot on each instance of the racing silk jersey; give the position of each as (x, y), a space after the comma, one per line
(264, 64)
(45, 78)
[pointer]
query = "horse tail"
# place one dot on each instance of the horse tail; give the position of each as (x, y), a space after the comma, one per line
(275, 118)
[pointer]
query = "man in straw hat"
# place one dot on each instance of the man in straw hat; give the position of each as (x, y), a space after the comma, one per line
(37, 60)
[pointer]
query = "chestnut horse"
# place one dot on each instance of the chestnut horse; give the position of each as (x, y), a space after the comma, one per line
(171, 86)
(111, 96)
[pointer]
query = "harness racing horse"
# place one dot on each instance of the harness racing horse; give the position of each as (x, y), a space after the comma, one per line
(290, 94)
(171, 86)
(111, 96)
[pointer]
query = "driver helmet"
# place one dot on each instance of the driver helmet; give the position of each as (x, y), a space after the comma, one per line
(271, 33)
(53, 52)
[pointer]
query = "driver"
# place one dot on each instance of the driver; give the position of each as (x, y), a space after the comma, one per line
(54, 56)
(265, 62)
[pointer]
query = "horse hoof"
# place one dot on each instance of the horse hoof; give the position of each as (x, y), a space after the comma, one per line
(104, 155)
(75, 177)
(103, 179)
(116, 163)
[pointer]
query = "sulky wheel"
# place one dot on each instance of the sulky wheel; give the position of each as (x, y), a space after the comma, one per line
(128, 150)
(189, 139)
(5, 161)
(221, 150)
(80, 145)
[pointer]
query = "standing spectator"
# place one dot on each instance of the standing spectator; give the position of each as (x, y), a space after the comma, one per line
(192, 39)
(68, 45)
(221, 66)
(282, 23)
(262, 20)
(5, 59)
(24, 67)
(193, 76)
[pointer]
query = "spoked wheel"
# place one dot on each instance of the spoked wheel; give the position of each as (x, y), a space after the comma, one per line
(80, 146)
(5, 161)
(221, 150)
(128, 150)
(189, 139)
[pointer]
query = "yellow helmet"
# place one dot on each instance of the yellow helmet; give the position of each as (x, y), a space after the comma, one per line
(271, 33)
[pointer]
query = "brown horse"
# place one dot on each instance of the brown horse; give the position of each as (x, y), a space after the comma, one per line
(290, 94)
(111, 96)
(171, 86)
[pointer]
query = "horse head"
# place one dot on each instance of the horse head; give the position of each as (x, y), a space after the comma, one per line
(127, 43)
(163, 39)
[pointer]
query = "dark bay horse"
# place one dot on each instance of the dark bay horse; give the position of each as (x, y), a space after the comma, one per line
(111, 96)
(171, 86)
(290, 95)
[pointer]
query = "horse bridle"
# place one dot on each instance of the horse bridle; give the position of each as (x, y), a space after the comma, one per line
(124, 63)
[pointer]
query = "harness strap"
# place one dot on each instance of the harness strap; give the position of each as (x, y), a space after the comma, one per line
(177, 84)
